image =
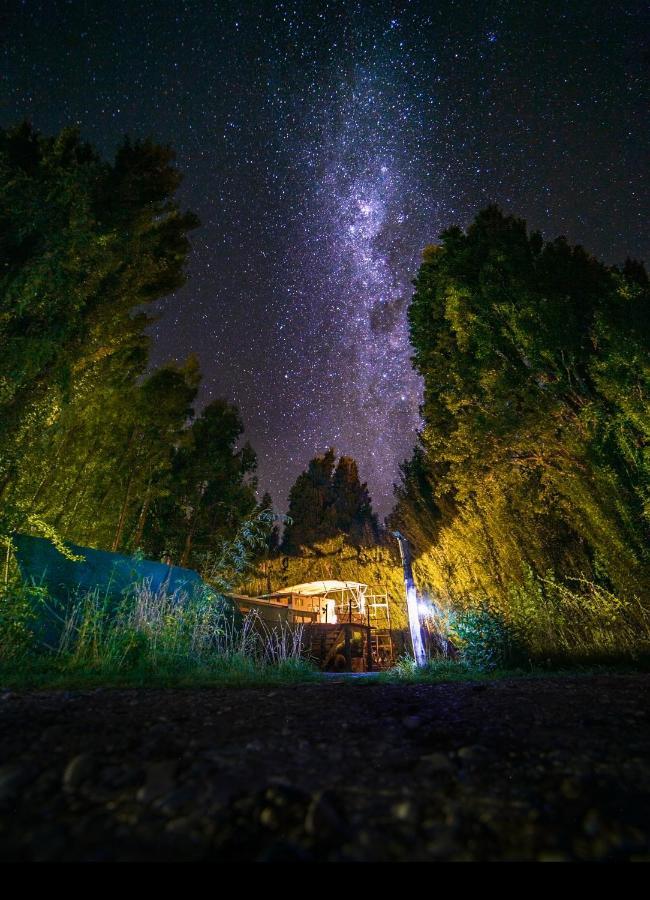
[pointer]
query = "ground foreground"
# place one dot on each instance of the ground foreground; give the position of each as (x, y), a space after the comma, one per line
(546, 768)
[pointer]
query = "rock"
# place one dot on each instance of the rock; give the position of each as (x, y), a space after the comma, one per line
(173, 803)
(285, 794)
(119, 776)
(268, 817)
(13, 777)
(322, 818)
(592, 823)
(437, 762)
(471, 753)
(78, 770)
(404, 811)
(160, 781)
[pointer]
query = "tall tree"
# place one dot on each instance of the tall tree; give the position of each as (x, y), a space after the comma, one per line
(536, 388)
(83, 243)
(211, 489)
(310, 505)
(326, 500)
(352, 503)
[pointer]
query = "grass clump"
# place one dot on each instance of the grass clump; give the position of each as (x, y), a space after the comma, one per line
(146, 638)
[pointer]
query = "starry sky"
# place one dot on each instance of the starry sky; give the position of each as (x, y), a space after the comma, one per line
(323, 145)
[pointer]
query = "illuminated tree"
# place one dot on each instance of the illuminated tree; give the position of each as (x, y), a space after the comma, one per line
(210, 489)
(83, 243)
(533, 456)
(352, 503)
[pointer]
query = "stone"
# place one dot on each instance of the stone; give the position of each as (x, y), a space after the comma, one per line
(160, 781)
(78, 770)
(437, 762)
(322, 819)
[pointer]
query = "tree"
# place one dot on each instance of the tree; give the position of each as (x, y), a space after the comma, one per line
(533, 454)
(272, 542)
(211, 489)
(310, 505)
(352, 503)
(327, 500)
(83, 243)
(94, 473)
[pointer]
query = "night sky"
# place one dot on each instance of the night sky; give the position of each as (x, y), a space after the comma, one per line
(323, 146)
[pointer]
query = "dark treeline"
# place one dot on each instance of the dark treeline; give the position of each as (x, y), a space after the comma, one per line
(534, 462)
(94, 447)
(327, 500)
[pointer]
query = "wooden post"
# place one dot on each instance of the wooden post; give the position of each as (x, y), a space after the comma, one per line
(369, 663)
(348, 648)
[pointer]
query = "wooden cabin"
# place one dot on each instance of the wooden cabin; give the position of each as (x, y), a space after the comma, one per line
(345, 626)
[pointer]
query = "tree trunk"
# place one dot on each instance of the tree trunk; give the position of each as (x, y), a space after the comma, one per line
(122, 520)
(142, 519)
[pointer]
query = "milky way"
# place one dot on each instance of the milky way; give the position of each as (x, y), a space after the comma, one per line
(324, 144)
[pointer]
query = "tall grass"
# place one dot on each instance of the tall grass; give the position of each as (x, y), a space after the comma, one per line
(577, 619)
(152, 635)
(543, 620)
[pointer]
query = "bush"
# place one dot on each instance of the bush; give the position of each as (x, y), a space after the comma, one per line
(486, 641)
(17, 619)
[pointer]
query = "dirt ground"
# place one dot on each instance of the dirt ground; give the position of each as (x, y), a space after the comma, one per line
(527, 769)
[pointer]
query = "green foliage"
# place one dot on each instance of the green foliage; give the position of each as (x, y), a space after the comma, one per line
(93, 447)
(209, 491)
(198, 636)
(534, 456)
(17, 618)
(83, 243)
(435, 670)
(486, 641)
(225, 567)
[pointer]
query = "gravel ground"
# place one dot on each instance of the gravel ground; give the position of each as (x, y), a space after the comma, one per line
(532, 769)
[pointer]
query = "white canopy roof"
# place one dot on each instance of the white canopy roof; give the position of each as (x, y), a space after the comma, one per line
(313, 588)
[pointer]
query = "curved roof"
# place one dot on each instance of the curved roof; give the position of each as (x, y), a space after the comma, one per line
(314, 588)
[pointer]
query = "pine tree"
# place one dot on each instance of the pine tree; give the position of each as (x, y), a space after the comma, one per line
(310, 505)
(327, 500)
(211, 489)
(352, 503)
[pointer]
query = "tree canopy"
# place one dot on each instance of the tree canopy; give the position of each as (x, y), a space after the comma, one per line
(534, 453)
(329, 499)
(94, 445)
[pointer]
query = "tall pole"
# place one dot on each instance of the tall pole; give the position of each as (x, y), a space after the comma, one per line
(411, 600)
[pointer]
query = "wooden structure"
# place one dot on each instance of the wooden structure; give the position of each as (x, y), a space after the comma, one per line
(346, 627)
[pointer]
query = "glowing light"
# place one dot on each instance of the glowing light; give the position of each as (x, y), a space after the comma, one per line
(411, 602)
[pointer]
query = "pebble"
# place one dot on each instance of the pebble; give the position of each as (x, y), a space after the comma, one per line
(322, 818)
(160, 780)
(437, 762)
(78, 770)
(12, 777)
(471, 753)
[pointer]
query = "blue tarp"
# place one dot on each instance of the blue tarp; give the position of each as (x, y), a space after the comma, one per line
(112, 575)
